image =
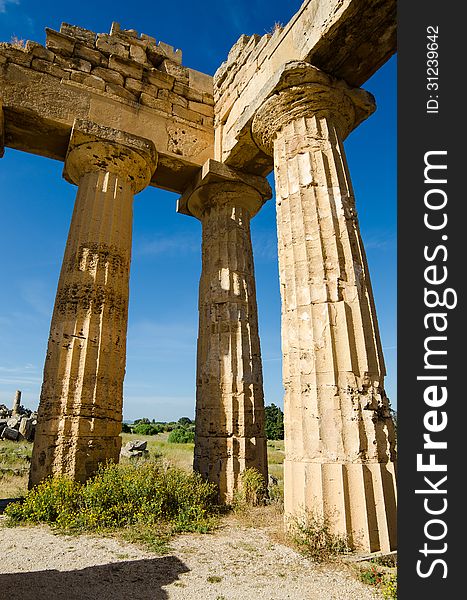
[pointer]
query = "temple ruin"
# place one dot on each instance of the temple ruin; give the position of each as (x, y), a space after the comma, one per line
(122, 112)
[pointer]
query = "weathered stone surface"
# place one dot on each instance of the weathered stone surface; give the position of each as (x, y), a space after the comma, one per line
(16, 408)
(339, 433)
(79, 417)
(96, 58)
(85, 36)
(39, 51)
(109, 75)
(9, 433)
(350, 39)
(229, 433)
(59, 43)
(127, 68)
(47, 67)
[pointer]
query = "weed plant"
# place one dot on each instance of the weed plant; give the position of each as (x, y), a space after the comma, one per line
(313, 536)
(139, 496)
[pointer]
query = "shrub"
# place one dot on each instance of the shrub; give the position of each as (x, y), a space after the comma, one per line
(313, 536)
(126, 428)
(389, 587)
(180, 435)
(147, 429)
(253, 490)
(143, 494)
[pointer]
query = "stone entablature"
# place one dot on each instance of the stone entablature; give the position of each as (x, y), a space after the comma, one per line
(79, 74)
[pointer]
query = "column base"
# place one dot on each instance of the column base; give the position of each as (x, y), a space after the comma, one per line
(359, 500)
(221, 460)
(77, 458)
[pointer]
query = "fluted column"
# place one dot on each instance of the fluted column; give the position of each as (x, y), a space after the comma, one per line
(229, 398)
(80, 410)
(339, 435)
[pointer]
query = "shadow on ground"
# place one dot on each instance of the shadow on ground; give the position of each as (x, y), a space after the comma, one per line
(4, 503)
(141, 579)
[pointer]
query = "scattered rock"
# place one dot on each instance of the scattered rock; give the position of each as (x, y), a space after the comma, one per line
(17, 423)
(134, 449)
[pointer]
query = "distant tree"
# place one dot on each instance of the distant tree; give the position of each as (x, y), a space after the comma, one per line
(274, 425)
(143, 420)
(126, 428)
(180, 435)
(146, 429)
(184, 421)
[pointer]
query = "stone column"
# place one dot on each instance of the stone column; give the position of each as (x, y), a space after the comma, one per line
(80, 410)
(339, 434)
(15, 410)
(229, 398)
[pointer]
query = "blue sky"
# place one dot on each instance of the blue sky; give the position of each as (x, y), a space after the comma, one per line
(36, 206)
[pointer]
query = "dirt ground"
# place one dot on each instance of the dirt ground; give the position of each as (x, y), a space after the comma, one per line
(234, 563)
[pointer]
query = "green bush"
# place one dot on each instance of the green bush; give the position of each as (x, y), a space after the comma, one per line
(120, 496)
(389, 587)
(313, 536)
(253, 490)
(180, 435)
(147, 429)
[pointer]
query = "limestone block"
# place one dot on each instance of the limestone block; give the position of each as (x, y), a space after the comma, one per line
(208, 99)
(39, 51)
(59, 43)
(17, 56)
(50, 68)
(157, 103)
(109, 75)
(169, 51)
(187, 114)
(138, 54)
(180, 73)
(85, 36)
(127, 68)
(159, 79)
(173, 98)
(26, 428)
(10, 434)
(73, 62)
(135, 86)
(88, 79)
(201, 108)
(109, 45)
(187, 92)
(120, 91)
(96, 58)
(200, 81)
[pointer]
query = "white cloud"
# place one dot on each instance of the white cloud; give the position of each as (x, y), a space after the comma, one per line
(3, 4)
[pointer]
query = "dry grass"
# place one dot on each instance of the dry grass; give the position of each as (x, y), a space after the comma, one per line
(15, 458)
(14, 468)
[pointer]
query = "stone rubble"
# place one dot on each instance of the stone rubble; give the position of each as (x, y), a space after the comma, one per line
(134, 449)
(18, 423)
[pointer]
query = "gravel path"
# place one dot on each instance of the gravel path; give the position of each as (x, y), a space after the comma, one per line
(234, 563)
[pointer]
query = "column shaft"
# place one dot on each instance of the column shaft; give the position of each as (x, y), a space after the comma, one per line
(339, 432)
(79, 419)
(229, 399)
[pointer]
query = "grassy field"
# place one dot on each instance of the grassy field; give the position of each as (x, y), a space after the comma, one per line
(15, 460)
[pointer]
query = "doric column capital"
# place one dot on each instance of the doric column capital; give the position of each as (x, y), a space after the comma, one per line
(93, 147)
(305, 91)
(217, 184)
